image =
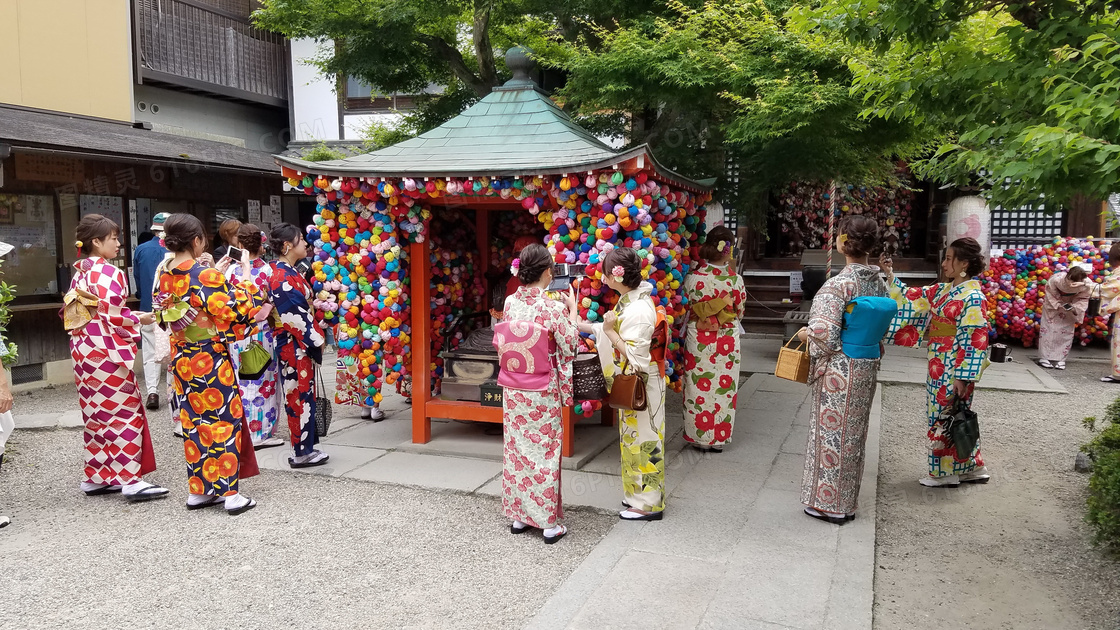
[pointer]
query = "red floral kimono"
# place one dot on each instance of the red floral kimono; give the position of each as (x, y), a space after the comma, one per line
(532, 426)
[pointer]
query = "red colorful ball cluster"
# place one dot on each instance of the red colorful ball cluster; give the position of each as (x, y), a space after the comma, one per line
(1015, 284)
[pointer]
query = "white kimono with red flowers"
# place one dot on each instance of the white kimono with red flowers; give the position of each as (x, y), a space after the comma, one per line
(953, 321)
(711, 356)
(842, 391)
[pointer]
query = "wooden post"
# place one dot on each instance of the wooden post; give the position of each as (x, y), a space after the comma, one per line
(567, 419)
(421, 277)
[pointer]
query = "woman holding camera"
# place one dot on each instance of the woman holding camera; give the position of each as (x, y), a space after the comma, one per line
(1063, 308)
(204, 312)
(951, 316)
(534, 397)
(259, 394)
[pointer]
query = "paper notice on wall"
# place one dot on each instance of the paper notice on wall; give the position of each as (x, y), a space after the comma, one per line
(271, 214)
(254, 206)
(111, 207)
(795, 283)
(132, 221)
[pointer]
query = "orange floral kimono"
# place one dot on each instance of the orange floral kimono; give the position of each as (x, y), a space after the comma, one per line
(204, 314)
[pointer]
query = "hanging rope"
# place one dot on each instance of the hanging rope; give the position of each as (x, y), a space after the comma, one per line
(832, 211)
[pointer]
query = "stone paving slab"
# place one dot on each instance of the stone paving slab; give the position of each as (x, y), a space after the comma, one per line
(735, 549)
(428, 471)
(578, 488)
(343, 459)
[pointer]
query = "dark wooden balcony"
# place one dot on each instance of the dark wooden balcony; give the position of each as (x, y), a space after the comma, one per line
(210, 46)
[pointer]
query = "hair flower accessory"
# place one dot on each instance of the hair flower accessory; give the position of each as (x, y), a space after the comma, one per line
(720, 245)
(514, 266)
(618, 273)
(78, 244)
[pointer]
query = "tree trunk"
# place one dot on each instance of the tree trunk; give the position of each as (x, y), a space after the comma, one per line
(483, 50)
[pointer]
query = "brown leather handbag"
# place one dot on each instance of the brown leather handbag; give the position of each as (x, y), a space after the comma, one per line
(628, 391)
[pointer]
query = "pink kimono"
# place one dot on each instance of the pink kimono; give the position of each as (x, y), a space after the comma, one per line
(1059, 321)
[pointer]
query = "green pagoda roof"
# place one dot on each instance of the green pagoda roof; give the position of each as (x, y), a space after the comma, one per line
(514, 131)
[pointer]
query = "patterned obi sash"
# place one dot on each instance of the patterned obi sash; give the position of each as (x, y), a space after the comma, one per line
(941, 333)
(525, 351)
(713, 313)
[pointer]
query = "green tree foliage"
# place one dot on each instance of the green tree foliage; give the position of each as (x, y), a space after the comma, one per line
(704, 83)
(1028, 91)
(730, 81)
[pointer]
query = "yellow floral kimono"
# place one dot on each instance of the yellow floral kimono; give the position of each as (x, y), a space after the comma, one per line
(641, 433)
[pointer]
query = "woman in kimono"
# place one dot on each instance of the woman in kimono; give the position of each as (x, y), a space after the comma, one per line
(1063, 308)
(299, 341)
(951, 317)
(624, 340)
(1110, 291)
(259, 396)
(204, 314)
(531, 420)
(842, 387)
(715, 295)
(118, 445)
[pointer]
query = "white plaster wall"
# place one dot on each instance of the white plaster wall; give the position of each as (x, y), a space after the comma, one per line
(314, 102)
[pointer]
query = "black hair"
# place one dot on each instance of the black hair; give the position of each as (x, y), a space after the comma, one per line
(968, 249)
(629, 261)
(283, 233)
(708, 250)
(94, 226)
(1076, 273)
(863, 235)
(533, 261)
(179, 232)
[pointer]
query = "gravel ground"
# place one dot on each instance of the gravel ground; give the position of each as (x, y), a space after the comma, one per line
(316, 553)
(1014, 553)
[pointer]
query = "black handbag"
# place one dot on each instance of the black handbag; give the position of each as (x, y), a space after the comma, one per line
(964, 430)
(323, 412)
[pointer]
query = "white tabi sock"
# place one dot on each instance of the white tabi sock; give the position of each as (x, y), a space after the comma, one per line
(234, 501)
(134, 487)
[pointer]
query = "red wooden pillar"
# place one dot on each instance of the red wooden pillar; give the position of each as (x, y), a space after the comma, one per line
(421, 278)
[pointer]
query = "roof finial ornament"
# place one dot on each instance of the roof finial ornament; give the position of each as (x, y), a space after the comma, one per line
(520, 64)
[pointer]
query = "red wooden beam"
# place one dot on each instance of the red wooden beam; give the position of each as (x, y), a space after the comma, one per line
(421, 273)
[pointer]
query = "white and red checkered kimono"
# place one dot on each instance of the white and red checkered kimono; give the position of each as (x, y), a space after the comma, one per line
(118, 445)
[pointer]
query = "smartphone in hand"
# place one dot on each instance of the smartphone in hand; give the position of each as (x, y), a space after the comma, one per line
(235, 254)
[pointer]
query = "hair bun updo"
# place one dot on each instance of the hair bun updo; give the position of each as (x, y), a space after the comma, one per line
(863, 235)
(180, 231)
(533, 261)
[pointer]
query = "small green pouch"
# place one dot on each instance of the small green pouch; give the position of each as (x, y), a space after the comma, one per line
(255, 360)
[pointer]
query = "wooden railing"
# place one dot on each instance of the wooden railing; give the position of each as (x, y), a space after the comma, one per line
(204, 46)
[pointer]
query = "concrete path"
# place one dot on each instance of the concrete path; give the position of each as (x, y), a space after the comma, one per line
(734, 549)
